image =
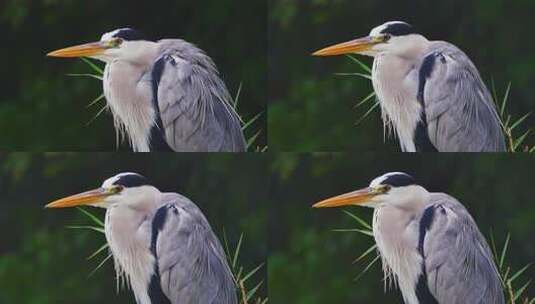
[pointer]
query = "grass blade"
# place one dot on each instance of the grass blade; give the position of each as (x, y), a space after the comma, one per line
(504, 250)
(367, 113)
(368, 251)
(252, 139)
(358, 219)
(360, 63)
(368, 267)
(519, 292)
(355, 74)
(95, 67)
(519, 140)
(519, 121)
(505, 99)
(86, 75)
(252, 292)
(97, 251)
(91, 216)
(518, 273)
(100, 265)
(365, 232)
(370, 96)
(235, 104)
(251, 121)
(247, 276)
(97, 229)
(95, 100)
(237, 252)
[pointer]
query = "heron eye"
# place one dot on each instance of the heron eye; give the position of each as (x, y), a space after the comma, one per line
(117, 42)
(387, 188)
(386, 37)
(117, 188)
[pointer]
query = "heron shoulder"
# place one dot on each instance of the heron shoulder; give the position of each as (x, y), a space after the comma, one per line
(455, 248)
(190, 256)
(451, 53)
(188, 52)
(193, 102)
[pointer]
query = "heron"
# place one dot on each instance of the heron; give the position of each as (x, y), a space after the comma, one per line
(161, 243)
(164, 95)
(431, 94)
(428, 242)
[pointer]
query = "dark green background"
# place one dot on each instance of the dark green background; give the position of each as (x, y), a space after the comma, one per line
(311, 264)
(311, 109)
(41, 261)
(42, 109)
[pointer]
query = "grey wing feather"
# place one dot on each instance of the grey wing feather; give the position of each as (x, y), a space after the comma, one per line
(195, 106)
(191, 261)
(458, 261)
(461, 115)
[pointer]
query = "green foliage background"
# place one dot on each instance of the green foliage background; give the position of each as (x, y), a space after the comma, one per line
(41, 109)
(317, 106)
(309, 263)
(41, 261)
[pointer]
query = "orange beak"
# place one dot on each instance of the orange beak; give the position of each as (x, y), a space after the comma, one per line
(349, 47)
(83, 50)
(85, 198)
(358, 197)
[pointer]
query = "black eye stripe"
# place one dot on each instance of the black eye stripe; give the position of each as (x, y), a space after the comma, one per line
(131, 180)
(398, 180)
(398, 29)
(129, 34)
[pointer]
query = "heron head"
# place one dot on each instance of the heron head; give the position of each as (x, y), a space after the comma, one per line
(125, 189)
(394, 189)
(123, 44)
(396, 37)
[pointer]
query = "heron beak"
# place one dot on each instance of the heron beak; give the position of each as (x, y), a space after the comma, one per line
(84, 198)
(358, 197)
(349, 47)
(83, 50)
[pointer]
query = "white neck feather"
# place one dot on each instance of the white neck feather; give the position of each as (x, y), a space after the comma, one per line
(131, 253)
(399, 105)
(396, 232)
(129, 94)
